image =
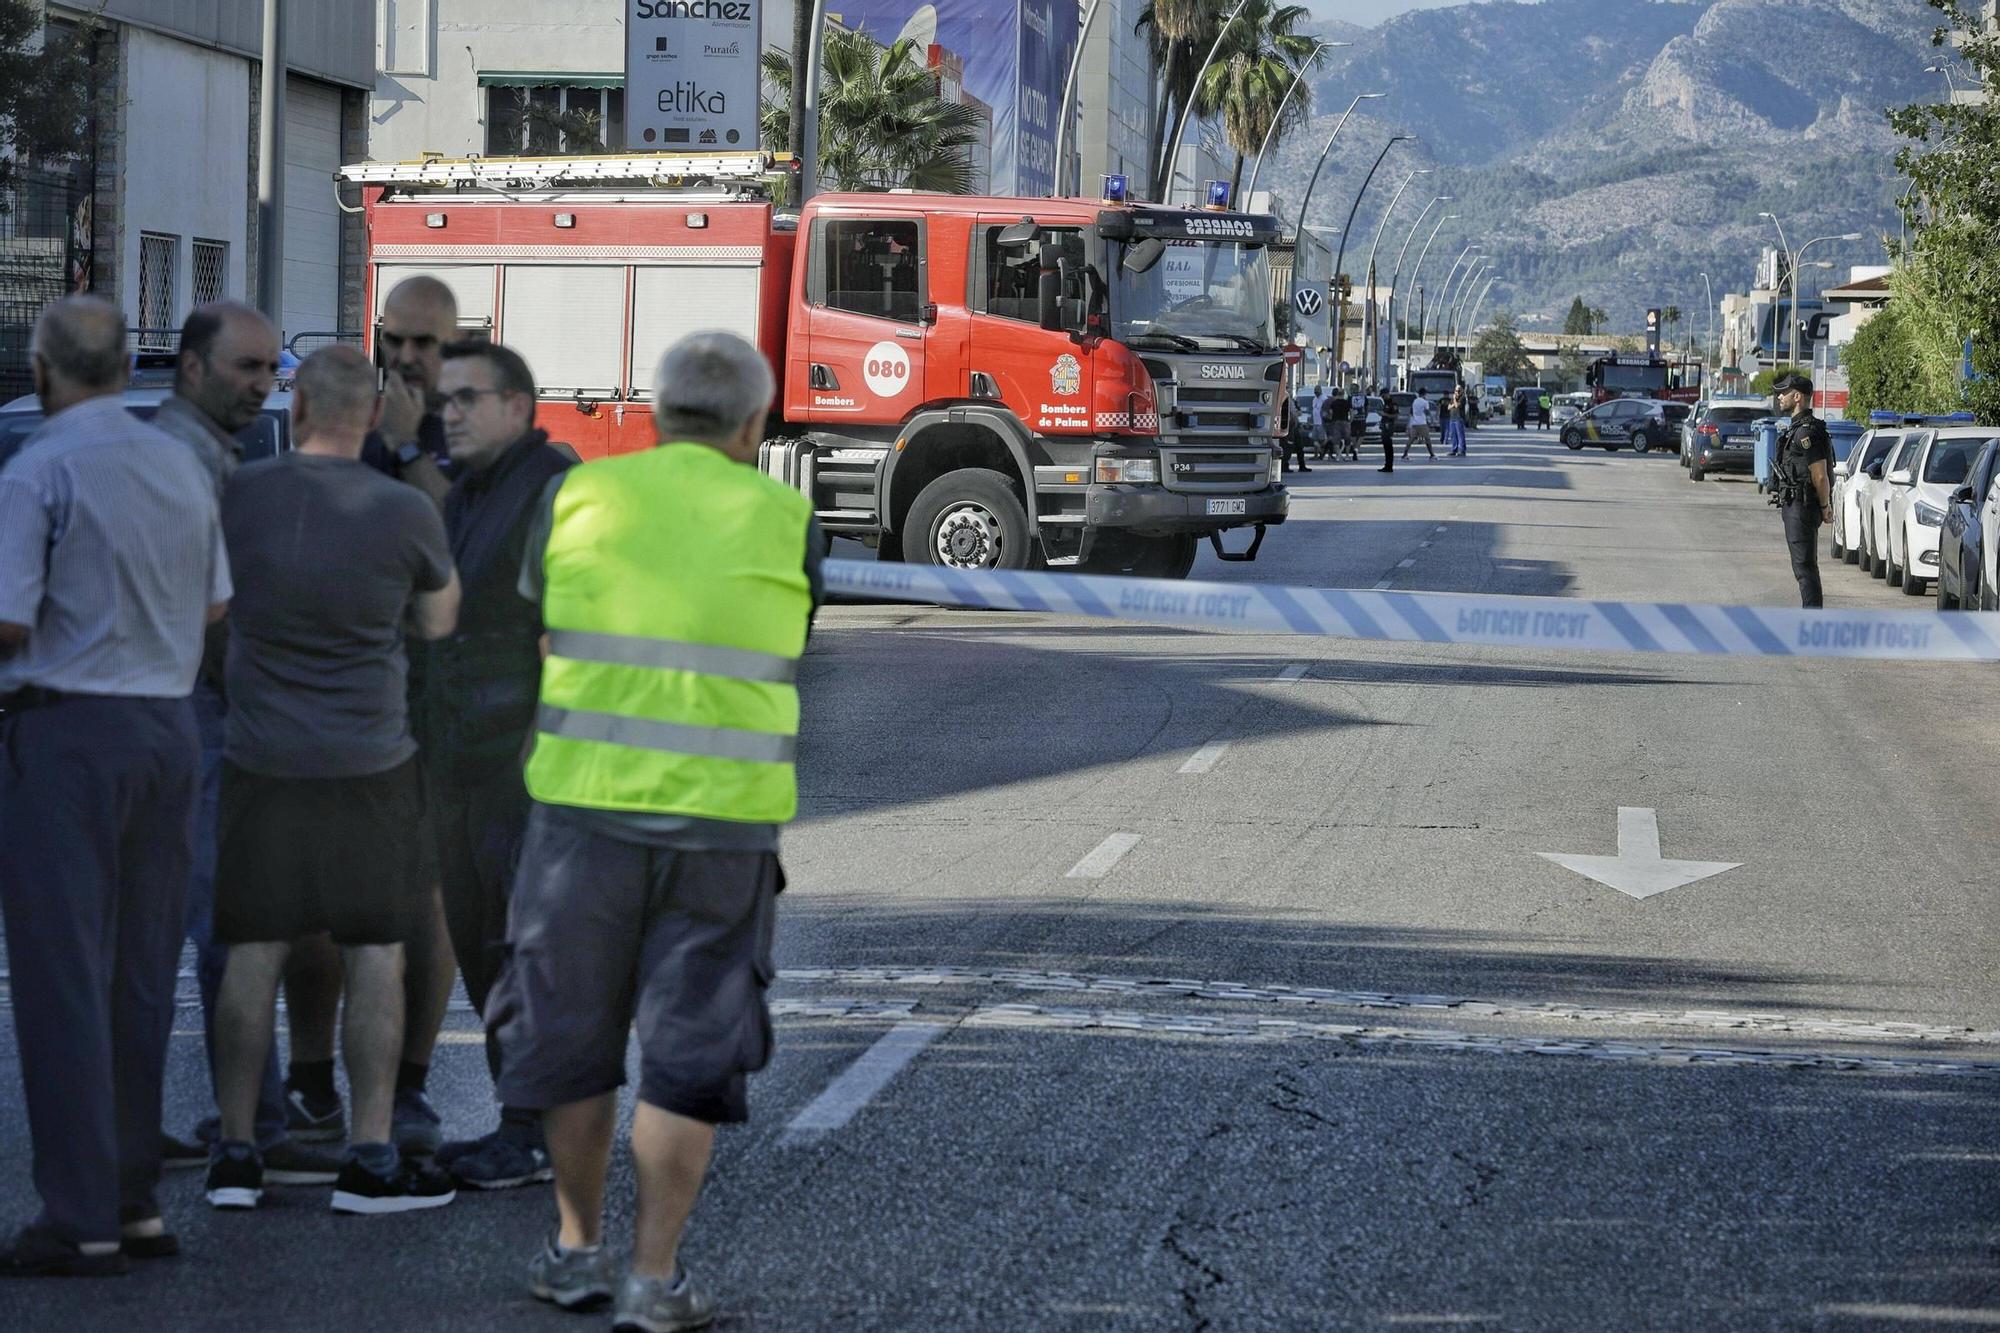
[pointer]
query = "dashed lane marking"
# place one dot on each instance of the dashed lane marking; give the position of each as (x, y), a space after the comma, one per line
(1206, 758)
(857, 1084)
(1097, 864)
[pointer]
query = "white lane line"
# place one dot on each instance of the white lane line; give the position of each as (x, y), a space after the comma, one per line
(1103, 856)
(1296, 671)
(1203, 759)
(1423, 546)
(859, 1082)
(1437, 529)
(1407, 564)
(1383, 586)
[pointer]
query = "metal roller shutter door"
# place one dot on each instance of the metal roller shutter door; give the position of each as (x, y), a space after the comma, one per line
(312, 220)
(670, 303)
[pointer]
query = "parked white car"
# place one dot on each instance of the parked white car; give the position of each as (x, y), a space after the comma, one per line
(1568, 407)
(1989, 571)
(1875, 503)
(1850, 484)
(1917, 502)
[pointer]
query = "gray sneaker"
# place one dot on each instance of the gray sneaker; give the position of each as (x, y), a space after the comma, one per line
(578, 1280)
(652, 1305)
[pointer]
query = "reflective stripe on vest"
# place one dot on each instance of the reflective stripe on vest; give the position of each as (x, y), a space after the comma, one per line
(676, 599)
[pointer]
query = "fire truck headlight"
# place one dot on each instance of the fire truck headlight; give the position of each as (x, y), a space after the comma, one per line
(1275, 470)
(1125, 471)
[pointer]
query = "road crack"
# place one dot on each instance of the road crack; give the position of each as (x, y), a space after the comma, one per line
(1202, 1279)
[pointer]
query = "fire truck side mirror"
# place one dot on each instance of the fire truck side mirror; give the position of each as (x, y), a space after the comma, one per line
(1019, 235)
(1049, 300)
(1141, 257)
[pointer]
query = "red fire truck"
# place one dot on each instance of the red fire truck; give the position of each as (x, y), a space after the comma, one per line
(975, 382)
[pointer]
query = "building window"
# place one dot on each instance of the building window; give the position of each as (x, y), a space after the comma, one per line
(211, 269)
(544, 118)
(157, 329)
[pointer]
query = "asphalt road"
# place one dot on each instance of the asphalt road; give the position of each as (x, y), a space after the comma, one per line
(1236, 993)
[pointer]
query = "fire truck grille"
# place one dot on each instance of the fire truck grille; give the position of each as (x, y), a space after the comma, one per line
(1197, 471)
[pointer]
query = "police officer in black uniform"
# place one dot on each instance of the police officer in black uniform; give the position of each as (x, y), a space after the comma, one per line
(1801, 479)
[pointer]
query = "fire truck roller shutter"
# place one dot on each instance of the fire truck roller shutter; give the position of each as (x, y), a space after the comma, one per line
(671, 301)
(568, 320)
(471, 284)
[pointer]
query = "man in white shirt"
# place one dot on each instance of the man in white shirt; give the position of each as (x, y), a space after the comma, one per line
(1420, 425)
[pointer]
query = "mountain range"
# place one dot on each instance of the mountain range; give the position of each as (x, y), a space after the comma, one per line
(1616, 149)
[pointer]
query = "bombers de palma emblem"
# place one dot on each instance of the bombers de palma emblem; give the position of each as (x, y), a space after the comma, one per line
(1066, 376)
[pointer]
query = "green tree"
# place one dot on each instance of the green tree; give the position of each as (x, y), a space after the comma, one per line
(1181, 33)
(1947, 280)
(1571, 368)
(1577, 321)
(1670, 319)
(1765, 382)
(1499, 349)
(882, 124)
(1599, 318)
(1260, 58)
(45, 88)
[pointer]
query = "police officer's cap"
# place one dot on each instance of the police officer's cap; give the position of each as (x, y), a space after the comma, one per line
(1793, 383)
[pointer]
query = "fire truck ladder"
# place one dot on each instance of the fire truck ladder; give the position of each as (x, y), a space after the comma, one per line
(747, 170)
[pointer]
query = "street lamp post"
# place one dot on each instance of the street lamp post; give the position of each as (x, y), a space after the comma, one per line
(1785, 249)
(1472, 320)
(1257, 167)
(1465, 289)
(1709, 344)
(1444, 291)
(1170, 168)
(1796, 260)
(1396, 275)
(1063, 109)
(1417, 274)
(1368, 321)
(1305, 205)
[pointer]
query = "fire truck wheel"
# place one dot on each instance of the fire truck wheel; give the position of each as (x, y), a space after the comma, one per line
(968, 519)
(1167, 557)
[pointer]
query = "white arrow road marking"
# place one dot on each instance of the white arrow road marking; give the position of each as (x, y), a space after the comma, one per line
(1097, 864)
(1639, 871)
(859, 1082)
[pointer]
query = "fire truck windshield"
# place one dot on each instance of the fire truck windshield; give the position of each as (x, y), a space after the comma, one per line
(1631, 379)
(1196, 295)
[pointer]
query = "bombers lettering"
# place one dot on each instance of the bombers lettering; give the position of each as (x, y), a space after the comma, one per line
(737, 11)
(1219, 227)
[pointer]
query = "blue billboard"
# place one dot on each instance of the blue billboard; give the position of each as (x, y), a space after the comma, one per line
(1005, 58)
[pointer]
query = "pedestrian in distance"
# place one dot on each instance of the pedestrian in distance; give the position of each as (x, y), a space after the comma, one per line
(321, 793)
(100, 771)
(1454, 424)
(1419, 431)
(1388, 429)
(226, 365)
(1801, 478)
(1544, 406)
(678, 586)
(1291, 436)
(480, 698)
(1520, 410)
(1334, 412)
(1315, 422)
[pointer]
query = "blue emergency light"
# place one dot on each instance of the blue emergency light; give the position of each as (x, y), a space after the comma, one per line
(1114, 189)
(1218, 194)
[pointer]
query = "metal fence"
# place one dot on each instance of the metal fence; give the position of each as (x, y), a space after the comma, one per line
(45, 253)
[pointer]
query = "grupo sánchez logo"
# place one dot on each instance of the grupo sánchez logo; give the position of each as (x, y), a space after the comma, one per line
(734, 11)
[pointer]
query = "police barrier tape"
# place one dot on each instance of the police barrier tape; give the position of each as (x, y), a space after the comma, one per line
(1425, 617)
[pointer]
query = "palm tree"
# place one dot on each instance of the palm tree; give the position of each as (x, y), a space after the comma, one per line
(1260, 58)
(882, 124)
(1670, 318)
(1182, 32)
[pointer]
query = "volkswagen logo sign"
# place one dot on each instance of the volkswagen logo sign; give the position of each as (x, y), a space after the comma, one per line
(1308, 301)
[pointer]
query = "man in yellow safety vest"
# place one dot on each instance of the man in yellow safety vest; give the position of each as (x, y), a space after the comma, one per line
(677, 586)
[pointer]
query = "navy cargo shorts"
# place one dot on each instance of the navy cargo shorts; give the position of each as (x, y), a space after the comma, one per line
(603, 934)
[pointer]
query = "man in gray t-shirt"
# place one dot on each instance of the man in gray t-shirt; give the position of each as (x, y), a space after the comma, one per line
(322, 803)
(333, 551)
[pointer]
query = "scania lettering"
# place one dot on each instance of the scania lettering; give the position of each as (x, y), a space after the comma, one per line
(985, 383)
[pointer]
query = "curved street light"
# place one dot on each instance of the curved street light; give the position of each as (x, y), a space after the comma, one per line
(1257, 167)
(1299, 235)
(1798, 262)
(1450, 277)
(1417, 274)
(1063, 109)
(1368, 323)
(1465, 287)
(1472, 320)
(1396, 274)
(1171, 166)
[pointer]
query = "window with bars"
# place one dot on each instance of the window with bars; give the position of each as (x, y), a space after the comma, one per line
(547, 118)
(210, 271)
(157, 253)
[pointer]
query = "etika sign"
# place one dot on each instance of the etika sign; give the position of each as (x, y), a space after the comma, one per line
(691, 74)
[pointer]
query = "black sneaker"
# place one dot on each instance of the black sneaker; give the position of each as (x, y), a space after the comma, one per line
(415, 1185)
(311, 1119)
(235, 1177)
(180, 1154)
(287, 1163)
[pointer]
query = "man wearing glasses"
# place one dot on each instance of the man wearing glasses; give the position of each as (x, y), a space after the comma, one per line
(480, 698)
